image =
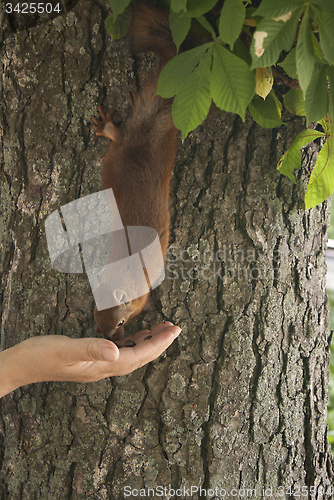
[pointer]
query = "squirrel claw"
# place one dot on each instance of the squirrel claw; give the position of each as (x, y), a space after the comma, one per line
(106, 127)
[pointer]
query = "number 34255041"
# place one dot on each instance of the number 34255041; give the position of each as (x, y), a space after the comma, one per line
(32, 8)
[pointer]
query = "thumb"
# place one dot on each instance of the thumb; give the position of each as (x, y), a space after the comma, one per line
(94, 349)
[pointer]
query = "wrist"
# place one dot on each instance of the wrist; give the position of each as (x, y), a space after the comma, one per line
(9, 372)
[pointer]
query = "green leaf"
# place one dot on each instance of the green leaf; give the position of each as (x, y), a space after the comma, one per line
(291, 160)
(321, 183)
(178, 69)
(119, 28)
(323, 4)
(276, 8)
(179, 26)
(278, 102)
(305, 58)
(293, 101)
(327, 125)
(240, 50)
(317, 49)
(289, 64)
(192, 103)
(232, 81)
(178, 5)
(316, 96)
(326, 32)
(231, 20)
(118, 6)
(250, 12)
(206, 25)
(265, 111)
(330, 71)
(196, 8)
(271, 38)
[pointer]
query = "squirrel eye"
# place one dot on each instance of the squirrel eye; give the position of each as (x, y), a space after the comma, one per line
(120, 323)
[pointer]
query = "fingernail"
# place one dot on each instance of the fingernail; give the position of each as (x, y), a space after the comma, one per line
(108, 354)
(178, 331)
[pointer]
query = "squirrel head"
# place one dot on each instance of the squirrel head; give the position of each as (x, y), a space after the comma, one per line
(110, 322)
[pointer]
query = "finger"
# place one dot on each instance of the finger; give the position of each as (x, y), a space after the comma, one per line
(134, 339)
(140, 336)
(93, 349)
(132, 358)
(161, 326)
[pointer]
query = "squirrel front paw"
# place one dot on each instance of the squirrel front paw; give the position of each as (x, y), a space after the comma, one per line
(106, 127)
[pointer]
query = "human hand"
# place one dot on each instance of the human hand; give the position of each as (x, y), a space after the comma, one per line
(57, 357)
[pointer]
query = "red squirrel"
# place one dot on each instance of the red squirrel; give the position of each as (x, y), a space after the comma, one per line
(140, 158)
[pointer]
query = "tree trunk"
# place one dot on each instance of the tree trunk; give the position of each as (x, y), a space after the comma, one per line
(239, 402)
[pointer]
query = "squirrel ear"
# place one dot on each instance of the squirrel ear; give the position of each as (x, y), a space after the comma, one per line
(121, 296)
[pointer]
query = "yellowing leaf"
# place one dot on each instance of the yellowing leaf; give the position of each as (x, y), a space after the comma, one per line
(277, 8)
(264, 82)
(271, 38)
(284, 17)
(259, 36)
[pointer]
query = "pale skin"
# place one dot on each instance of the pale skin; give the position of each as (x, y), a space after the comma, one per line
(60, 358)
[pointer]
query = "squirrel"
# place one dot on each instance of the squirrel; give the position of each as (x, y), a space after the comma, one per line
(140, 158)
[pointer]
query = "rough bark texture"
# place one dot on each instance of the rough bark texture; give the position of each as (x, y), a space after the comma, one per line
(240, 400)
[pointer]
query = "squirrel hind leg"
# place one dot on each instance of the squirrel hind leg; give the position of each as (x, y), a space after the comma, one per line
(106, 127)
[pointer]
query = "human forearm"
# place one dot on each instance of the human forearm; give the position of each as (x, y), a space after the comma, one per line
(60, 358)
(9, 379)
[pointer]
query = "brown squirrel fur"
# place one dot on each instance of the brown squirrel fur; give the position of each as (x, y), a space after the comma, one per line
(140, 158)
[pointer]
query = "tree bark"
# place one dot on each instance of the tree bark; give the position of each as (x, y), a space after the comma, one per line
(239, 401)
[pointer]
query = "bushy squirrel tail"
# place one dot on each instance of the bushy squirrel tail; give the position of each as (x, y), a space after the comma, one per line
(150, 31)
